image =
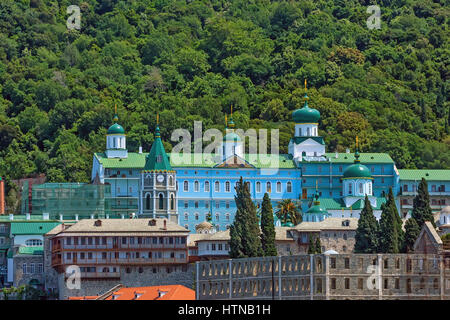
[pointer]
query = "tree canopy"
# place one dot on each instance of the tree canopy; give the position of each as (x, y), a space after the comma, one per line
(191, 60)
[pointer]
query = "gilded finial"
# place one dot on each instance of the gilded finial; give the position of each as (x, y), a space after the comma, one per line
(306, 88)
(116, 117)
(157, 119)
(357, 151)
(231, 111)
(226, 121)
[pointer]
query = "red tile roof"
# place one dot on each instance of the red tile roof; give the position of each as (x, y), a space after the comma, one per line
(169, 292)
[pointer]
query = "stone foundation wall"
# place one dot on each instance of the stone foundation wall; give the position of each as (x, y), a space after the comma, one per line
(317, 277)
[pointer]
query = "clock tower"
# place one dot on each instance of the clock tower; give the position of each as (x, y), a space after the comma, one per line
(158, 186)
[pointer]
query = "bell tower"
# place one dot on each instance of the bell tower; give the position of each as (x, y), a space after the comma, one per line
(158, 185)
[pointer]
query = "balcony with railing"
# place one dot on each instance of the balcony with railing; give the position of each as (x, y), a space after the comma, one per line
(98, 275)
(123, 261)
(117, 246)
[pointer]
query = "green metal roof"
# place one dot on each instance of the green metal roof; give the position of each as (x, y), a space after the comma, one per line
(40, 228)
(137, 161)
(31, 250)
(429, 175)
(338, 204)
(298, 140)
(366, 158)
(157, 159)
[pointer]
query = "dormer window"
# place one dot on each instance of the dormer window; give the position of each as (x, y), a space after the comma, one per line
(159, 158)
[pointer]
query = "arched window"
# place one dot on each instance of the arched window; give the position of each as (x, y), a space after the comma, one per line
(171, 180)
(206, 186)
(289, 187)
(186, 216)
(217, 217)
(196, 186)
(185, 186)
(308, 132)
(349, 188)
(278, 186)
(172, 202)
(268, 187)
(258, 186)
(370, 188)
(196, 216)
(360, 187)
(161, 201)
(147, 202)
(227, 216)
(216, 186)
(227, 186)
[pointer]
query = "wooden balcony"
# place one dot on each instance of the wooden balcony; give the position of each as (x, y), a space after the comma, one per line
(117, 247)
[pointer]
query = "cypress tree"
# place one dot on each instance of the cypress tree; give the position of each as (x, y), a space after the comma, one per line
(245, 228)
(421, 205)
(311, 245)
(267, 227)
(318, 245)
(366, 238)
(412, 231)
(388, 239)
(399, 221)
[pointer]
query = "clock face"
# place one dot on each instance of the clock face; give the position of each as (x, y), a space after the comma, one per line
(160, 178)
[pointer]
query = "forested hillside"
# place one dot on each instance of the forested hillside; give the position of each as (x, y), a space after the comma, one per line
(191, 60)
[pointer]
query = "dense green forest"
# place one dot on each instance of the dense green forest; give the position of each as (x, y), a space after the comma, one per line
(191, 60)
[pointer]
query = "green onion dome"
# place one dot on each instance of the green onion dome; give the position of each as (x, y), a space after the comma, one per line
(116, 129)
(306, 114)
(316, 208)
(357, 170)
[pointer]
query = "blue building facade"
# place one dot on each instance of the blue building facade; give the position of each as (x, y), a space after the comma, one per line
(206, 185)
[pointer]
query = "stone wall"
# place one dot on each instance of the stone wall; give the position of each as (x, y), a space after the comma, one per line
(316, 277)
(93, 287)
(21, 278)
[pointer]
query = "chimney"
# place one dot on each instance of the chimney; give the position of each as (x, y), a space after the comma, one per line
(2, 196)
(45, 216)
(98, 223)
(27, 216)
(122, 216)
(76, 217)
(92, 216)
(165, 224)
(140, 149)
(11, 216)
(107, 216)
(60, 217)
(161, 293)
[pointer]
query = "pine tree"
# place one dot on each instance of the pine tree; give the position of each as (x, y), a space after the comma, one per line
(366, 238)
(318, 245)
(245, 229)
(267, 227)
(421, 205)
(412, 231)
(388, 237)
